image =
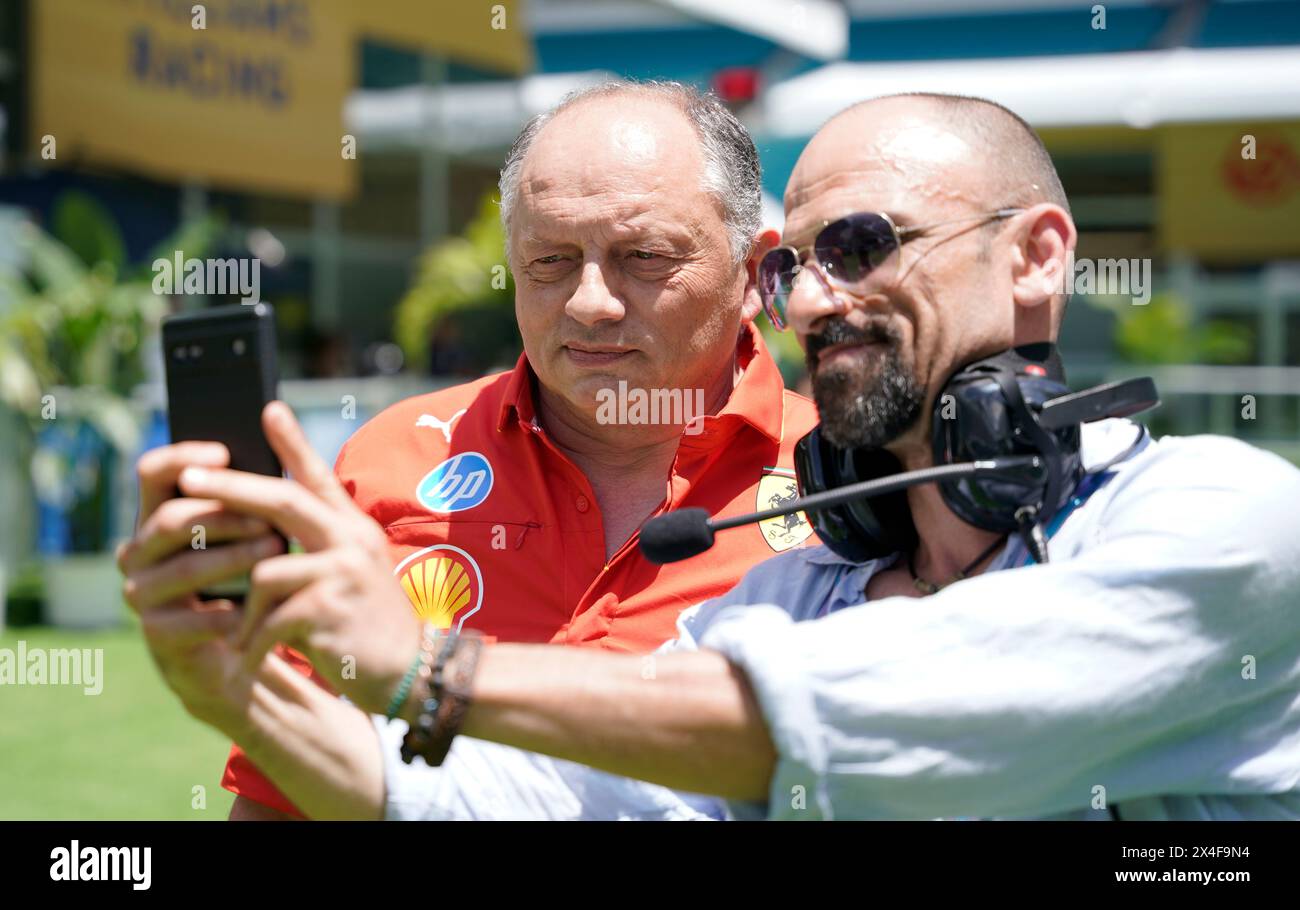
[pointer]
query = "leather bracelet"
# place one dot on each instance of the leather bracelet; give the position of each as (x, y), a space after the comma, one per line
(416, 740)
(448, 687)
(457, 688)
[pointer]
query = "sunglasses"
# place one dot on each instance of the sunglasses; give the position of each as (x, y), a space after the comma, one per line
(847, 251)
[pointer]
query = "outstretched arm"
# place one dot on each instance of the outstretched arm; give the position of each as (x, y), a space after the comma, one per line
(694, 726)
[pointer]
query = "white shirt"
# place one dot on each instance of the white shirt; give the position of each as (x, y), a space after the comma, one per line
(1153, 667)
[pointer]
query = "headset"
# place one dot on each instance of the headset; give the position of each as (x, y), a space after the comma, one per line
(1005, 434)
(1015, 403)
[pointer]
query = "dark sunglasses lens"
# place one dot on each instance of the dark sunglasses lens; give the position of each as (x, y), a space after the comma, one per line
(849, 249)
(776, 273)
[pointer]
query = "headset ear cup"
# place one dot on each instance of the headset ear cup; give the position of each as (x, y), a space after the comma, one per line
(863, 529)
(885, 519)
(988, 410)
(972, 422)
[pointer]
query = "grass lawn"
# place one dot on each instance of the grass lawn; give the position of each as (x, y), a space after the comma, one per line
(130, 752)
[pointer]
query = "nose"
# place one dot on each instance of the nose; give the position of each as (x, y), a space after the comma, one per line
(593, 301)
(811, 300)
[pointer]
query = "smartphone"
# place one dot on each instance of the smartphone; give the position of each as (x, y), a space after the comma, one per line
(221, 372)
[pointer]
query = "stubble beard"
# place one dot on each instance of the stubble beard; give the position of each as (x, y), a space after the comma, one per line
(867, 400)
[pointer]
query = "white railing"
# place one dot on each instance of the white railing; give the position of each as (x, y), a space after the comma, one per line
(1260, 405)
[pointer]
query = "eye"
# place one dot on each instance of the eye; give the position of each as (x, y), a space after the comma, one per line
(644, 255)
(551, 267)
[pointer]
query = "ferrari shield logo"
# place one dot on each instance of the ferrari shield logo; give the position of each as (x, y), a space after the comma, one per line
(777, 487)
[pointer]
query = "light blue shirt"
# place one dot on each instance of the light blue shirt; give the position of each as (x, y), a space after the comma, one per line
(1152, 667)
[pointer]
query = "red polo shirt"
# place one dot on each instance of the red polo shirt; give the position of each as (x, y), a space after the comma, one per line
(493, 528)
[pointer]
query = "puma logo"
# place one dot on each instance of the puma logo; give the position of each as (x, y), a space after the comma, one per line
(428, 420)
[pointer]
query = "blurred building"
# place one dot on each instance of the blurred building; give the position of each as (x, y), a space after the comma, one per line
(1145, 106)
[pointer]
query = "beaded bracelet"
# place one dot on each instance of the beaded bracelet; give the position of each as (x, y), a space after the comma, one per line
(428, 636)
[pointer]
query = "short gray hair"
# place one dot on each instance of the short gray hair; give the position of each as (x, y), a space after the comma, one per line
(731, 168)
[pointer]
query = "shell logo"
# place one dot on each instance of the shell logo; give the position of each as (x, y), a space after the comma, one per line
(443, 583)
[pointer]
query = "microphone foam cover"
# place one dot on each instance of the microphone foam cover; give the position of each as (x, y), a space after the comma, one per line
(676, 535)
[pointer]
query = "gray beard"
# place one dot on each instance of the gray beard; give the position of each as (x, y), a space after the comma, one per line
(867, 408)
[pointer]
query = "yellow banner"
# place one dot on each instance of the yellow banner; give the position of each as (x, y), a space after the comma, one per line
(484, 33)
(249, 95)
(1230, 192)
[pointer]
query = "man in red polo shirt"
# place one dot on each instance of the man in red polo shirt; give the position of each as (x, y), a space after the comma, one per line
(511, 505)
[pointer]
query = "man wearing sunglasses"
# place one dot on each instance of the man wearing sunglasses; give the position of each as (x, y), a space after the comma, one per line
(923, 232)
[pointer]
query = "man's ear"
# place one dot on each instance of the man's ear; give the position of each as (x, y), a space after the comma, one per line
(766, 240)
(1046, 236)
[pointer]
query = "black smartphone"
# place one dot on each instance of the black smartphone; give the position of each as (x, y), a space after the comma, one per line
(221, 372)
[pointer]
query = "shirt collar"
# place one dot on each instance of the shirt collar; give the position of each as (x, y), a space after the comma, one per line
(758, 398)
(517, 399)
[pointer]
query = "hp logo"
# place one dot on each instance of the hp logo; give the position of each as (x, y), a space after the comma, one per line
(459, 483)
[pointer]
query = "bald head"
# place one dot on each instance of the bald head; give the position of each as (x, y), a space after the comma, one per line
(1016, 165)
(985, 232)
(929, 151)
(950, 136)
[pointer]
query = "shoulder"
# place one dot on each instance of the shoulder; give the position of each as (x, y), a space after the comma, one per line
(791, 568)
(1210, 463)
(801, 583)
(467, 413)
(1211, 498)
(796, 586)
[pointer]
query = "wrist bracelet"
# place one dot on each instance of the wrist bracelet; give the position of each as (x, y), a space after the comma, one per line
(417, 738)
(448, 687)
(428, 636)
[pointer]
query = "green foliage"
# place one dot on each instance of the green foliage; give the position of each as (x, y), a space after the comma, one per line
(74, 316)
(1163, 332)
(74, 331)
(455, 283)
(785, 350)
(88, 230)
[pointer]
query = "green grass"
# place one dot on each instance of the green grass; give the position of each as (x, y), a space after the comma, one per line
(130, 752)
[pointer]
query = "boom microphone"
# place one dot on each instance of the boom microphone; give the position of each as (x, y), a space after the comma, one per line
(677, 535)
(684, 533)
